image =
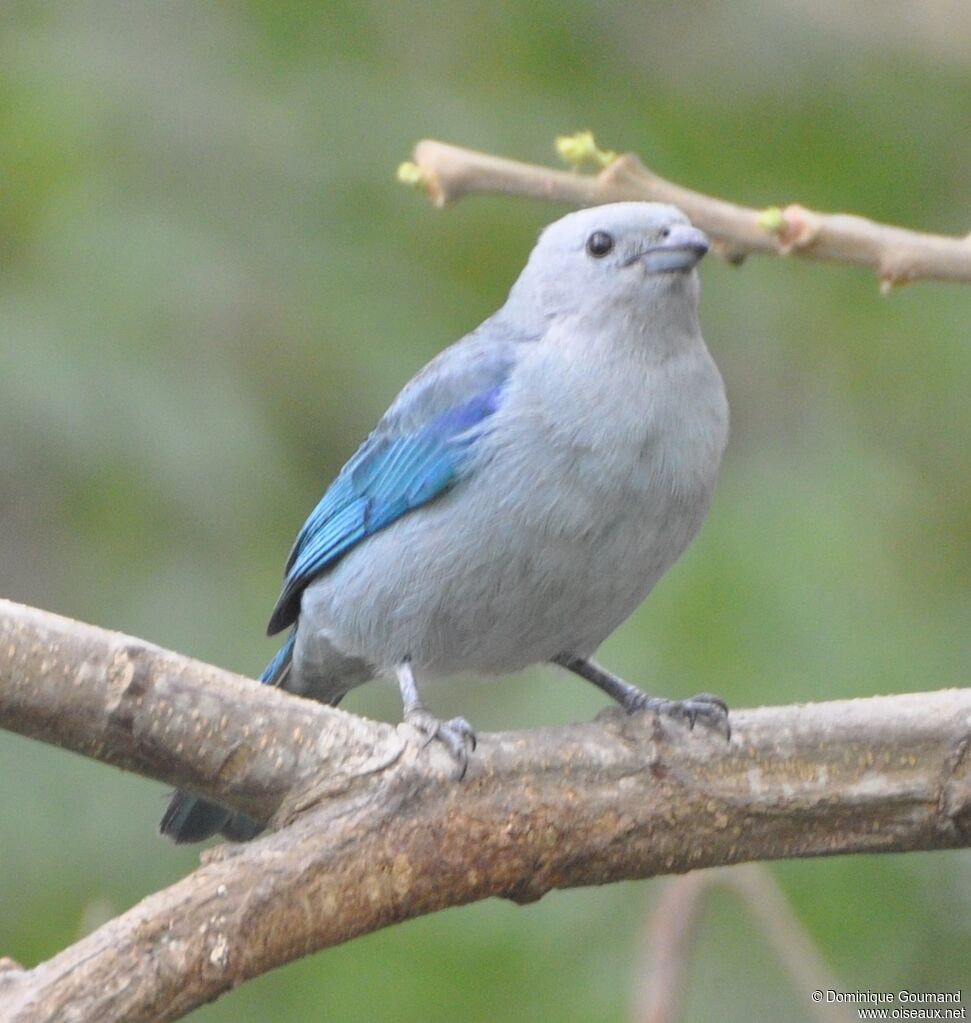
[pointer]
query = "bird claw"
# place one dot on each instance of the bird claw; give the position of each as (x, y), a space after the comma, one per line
(456, 734)
(710, 710)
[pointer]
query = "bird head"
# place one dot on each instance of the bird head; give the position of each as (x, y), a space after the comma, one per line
(638, 257)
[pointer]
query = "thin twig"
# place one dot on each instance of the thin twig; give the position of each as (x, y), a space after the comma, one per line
(673, 926)
(898, 255)
(661, 982)
(762, 894)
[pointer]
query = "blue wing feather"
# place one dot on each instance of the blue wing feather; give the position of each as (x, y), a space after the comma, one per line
(389, 476)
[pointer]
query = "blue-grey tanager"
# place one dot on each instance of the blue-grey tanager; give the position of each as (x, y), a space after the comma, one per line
(523, 493)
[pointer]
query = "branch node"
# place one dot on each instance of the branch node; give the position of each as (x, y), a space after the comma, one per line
(728, 251)
(626, 174)
(126, 676)
(955, 803)
(798, 229)
(895, 271)
(526, 892)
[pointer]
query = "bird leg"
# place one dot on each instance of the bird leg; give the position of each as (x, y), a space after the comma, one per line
(456, 734)
(710, 710)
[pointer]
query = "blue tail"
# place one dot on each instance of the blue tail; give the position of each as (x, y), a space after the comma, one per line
(191, 818)
(275, 673)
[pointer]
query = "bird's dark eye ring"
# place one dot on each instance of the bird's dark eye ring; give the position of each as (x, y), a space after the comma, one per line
(599, 244)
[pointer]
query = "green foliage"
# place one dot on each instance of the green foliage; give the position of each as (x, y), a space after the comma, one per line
(210, 287)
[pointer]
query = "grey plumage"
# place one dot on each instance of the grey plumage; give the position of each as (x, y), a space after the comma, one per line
(594, 476)
(566, 454)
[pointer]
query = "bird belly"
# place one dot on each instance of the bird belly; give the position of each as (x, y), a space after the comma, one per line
(503, 572)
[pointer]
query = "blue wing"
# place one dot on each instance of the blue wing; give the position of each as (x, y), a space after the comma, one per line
(400, 467)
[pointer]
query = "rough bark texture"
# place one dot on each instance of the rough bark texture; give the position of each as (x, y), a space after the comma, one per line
(897, 255)
(131, 704)
(374, 829)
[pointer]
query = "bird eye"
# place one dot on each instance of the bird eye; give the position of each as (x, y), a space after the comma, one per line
(599, 244)
(665, 232)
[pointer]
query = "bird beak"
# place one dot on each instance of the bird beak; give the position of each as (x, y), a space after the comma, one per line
(681, 250)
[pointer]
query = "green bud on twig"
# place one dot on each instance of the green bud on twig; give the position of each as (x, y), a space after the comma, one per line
(410, 174)
(580, 149)
(772, 219)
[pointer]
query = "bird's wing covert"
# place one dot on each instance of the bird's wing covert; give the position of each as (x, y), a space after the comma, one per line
(420, 449)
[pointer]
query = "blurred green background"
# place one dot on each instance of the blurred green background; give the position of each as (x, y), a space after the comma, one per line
(211, 286)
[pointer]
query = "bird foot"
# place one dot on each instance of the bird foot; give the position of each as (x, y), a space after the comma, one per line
(456, 734)
(711, 711)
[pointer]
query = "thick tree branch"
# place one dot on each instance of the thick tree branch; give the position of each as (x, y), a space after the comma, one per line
(897, 254)
(135, 706)
(374, 829)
